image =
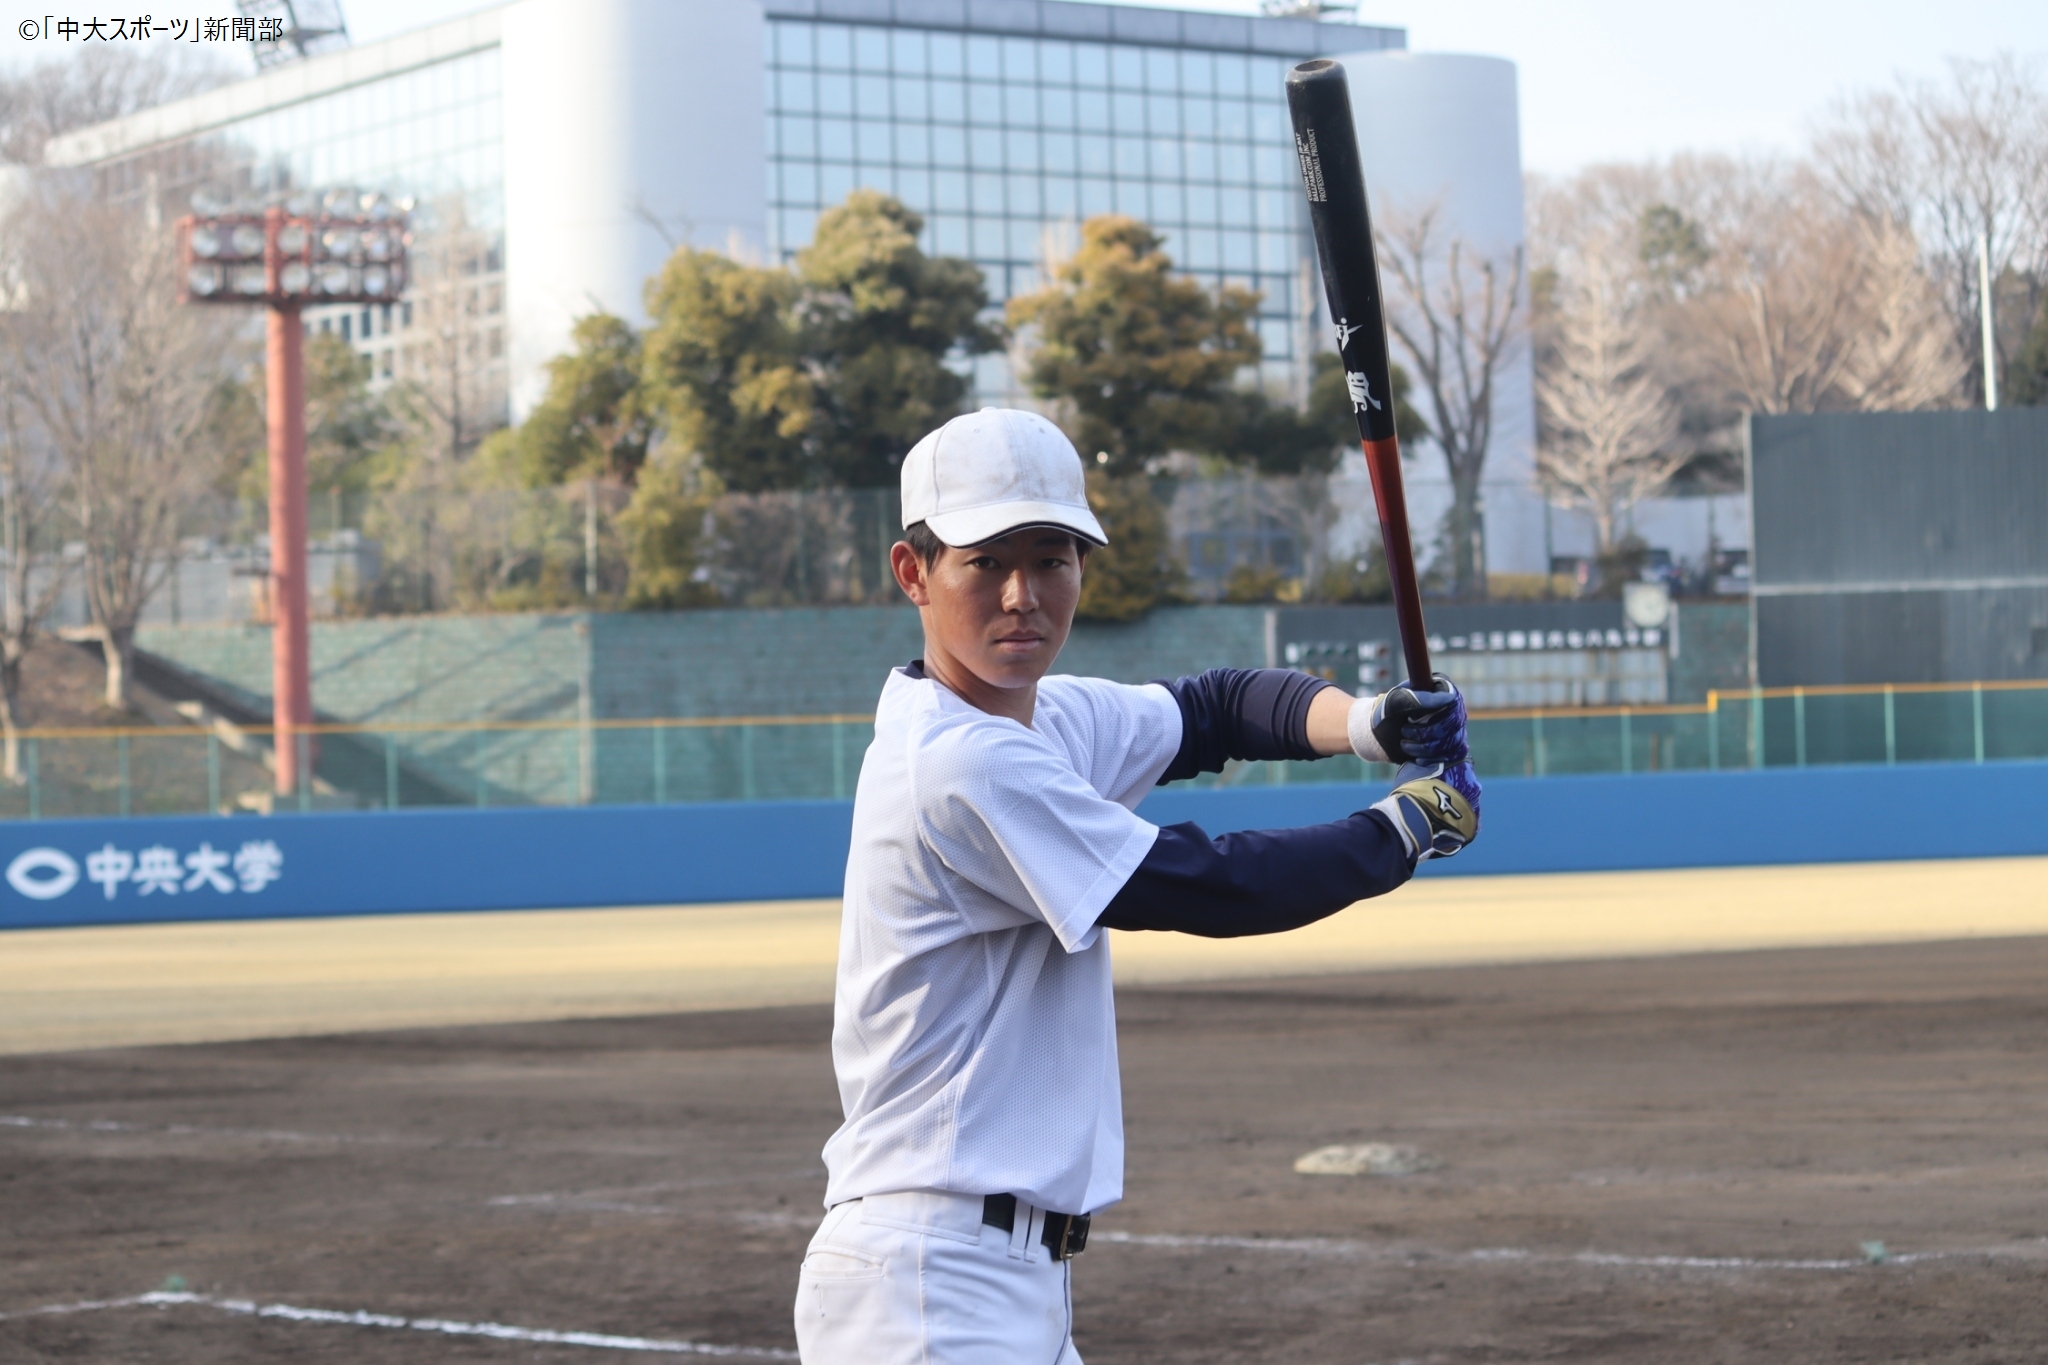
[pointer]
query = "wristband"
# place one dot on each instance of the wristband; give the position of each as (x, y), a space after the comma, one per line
(1358, 729)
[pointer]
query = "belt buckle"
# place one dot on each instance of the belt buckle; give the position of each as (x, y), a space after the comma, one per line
(1073, 1237)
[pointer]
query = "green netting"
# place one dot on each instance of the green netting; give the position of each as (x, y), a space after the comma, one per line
(1742, 730)
(140, 773)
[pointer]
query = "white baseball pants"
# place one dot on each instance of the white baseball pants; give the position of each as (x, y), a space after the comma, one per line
(918, 1279)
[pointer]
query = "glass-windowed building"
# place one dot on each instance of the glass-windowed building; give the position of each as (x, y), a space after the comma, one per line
(560, 150)
(1007, 127)
(1004, 122)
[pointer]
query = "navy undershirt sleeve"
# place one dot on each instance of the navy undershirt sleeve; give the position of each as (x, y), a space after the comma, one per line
(1259, 881)
(1241, 713)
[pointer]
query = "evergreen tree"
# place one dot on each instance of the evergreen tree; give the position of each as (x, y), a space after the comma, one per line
(824, 376)
(593, 421)
(2026, 374)
(879, 319)
(1136, 571)
(1672, 249)
(1146, 359)
(1143, 357)
(347, 425)
(664, 528)
(724, 367)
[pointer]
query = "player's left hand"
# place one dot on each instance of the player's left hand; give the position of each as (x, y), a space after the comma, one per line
(1412, 725)
(1465, 778)
(1431, 809)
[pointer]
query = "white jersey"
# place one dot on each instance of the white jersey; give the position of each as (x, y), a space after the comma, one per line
(974, 1033)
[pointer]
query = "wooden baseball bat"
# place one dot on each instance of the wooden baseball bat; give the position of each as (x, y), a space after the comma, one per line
(1325, 141)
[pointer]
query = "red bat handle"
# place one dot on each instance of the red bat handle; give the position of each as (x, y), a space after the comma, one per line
(1383, 460)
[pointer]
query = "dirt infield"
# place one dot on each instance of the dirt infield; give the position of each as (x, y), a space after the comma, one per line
(1677, 1159)
(124, 985)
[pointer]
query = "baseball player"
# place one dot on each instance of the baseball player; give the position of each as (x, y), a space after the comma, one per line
(994, 839)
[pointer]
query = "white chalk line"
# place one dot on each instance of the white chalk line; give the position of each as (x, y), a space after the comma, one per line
(610, 1200)
(780, 1218)
(1357, 1250)
(1331, 1246)
(118, 1127)
(569, 1203)
(49, 1310)
(496, 1331)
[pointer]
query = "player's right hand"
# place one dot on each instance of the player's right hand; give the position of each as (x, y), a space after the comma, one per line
(1415, 726)
(1433, 810)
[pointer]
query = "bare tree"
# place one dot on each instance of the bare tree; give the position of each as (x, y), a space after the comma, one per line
(1760, 289)
(1609, 419)
(450, 350)
(1457, 312)
(97, 83)
(35, 106)
(1808, 307)
(1947, 161)
(30, 486)
(1904, 357)
(449, 392)
(116, 376)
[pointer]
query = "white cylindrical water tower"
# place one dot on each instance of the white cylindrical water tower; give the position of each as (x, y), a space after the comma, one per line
(631, 127)
(1443, 130)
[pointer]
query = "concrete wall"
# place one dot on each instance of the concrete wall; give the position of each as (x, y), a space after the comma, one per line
(422, 670)
(818, 661)
(796, 661)
(395, 669)
(1930, 565)
(530, 666)
(1710, 649)
(564, 668)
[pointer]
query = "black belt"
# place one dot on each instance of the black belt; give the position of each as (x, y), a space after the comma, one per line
(1066, 1234)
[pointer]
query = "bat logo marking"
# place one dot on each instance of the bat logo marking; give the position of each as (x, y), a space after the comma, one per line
(1311, 166)
(1345, 331)
(1361, 392)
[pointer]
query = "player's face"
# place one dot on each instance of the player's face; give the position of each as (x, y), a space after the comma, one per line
(1001, 610)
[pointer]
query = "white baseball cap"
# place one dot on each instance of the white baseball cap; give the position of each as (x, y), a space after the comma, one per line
(991, 472)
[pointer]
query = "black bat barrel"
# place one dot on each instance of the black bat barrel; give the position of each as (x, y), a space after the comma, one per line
(1319, 98)
(1325, 141)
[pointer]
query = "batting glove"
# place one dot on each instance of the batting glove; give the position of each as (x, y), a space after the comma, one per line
(1466, 780)
(1403, 725)
(1435, 816)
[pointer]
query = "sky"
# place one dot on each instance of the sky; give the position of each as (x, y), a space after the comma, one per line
(1601, 80)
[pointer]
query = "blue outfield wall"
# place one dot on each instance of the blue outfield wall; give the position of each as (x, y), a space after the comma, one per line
(73, 872)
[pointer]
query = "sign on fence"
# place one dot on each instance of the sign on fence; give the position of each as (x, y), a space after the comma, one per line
(143, 869)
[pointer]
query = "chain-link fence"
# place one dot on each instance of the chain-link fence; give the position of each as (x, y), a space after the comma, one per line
(161, 771)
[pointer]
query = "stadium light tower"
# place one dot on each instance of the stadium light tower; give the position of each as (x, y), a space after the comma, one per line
(303, 28)
(341, 249)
